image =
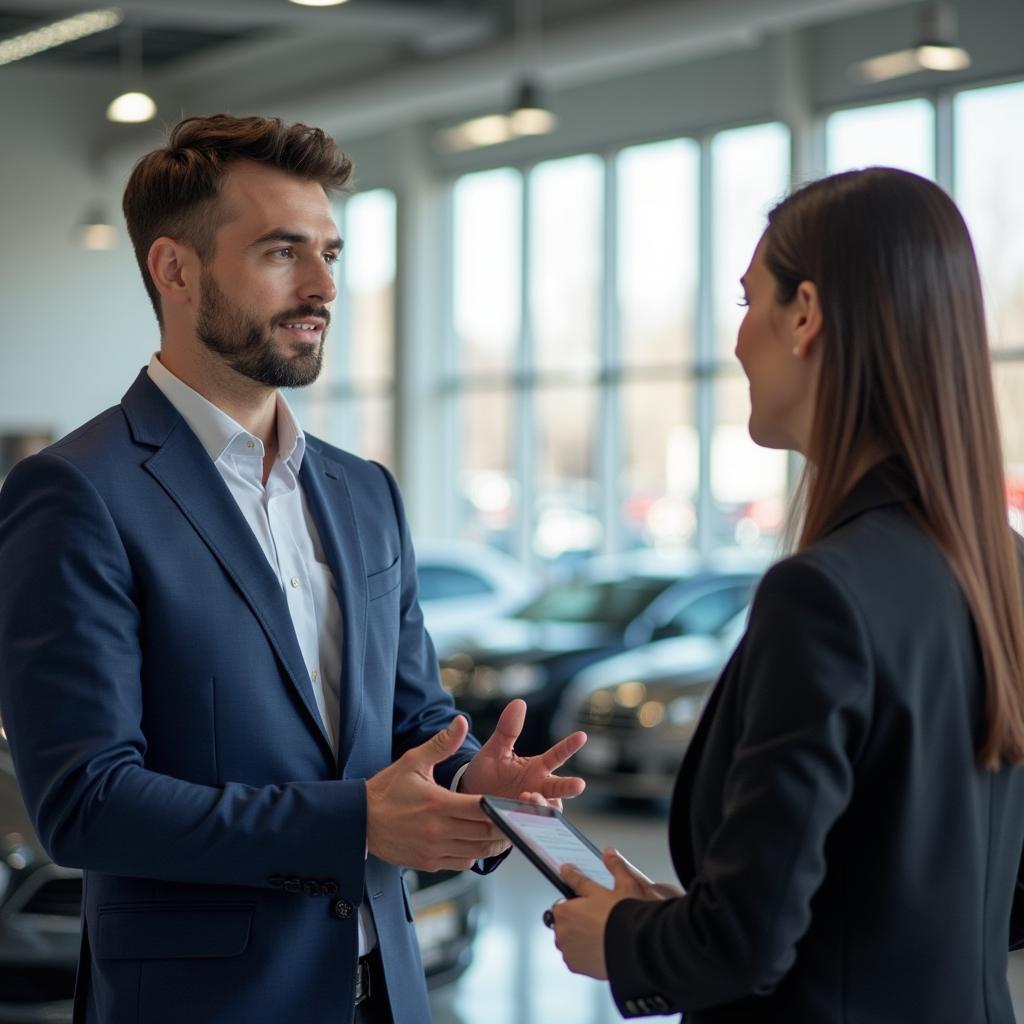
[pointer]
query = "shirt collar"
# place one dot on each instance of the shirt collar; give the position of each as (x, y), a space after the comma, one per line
(215, 429)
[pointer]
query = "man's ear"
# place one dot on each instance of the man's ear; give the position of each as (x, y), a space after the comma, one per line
(174, 268)
(806, 320)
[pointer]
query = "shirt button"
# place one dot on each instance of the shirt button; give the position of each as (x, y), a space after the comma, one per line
(314, 675)
(342, 909)
(250, 444)
(294, 581)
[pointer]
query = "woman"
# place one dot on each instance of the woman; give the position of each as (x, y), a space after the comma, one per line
(849, 818)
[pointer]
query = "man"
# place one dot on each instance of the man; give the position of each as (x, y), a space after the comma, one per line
(218, 691)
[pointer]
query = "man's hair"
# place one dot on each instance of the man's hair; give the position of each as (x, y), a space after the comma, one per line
(173, 191)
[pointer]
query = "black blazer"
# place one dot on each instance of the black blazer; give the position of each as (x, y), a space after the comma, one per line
(845, 858)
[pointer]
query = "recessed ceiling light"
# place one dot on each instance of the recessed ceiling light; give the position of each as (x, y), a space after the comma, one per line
(319, 3)
(57, 33)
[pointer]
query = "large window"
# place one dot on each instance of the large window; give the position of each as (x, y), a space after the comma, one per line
(587, 369)
(989, 169)
(352, 404)
(750, 172)
(887, 135)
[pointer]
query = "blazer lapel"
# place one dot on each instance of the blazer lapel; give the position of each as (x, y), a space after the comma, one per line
(330, 502)
(184, 469)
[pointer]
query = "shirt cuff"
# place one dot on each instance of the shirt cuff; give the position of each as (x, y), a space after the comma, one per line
(458, 777)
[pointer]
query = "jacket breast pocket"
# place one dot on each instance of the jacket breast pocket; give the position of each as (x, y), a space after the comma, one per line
(383, 582)
(170, 931)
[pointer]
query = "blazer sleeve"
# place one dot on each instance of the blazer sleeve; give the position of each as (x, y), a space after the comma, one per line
(71, 697)
(805, 679)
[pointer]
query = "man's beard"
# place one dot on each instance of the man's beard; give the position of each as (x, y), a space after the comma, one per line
(231, 333)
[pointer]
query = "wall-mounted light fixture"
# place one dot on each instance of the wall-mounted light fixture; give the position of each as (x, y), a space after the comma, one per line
(936, 49)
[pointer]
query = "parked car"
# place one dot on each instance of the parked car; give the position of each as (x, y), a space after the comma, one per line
(40, 905)
(611, 606)
(463, 585)
(640, 709)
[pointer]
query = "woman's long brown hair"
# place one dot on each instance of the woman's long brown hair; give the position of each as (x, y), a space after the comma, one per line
(906, 371)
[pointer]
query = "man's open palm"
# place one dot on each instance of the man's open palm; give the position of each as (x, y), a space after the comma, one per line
(498, 771)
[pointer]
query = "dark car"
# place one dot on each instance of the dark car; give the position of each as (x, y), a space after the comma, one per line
(641, 708)
(40, 904)
(612, 606)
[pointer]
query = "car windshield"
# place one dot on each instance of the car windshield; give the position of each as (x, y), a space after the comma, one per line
(607, 603)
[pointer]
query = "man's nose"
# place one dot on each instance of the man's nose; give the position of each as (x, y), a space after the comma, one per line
(318, 284)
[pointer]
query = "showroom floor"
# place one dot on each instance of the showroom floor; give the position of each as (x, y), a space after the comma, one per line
(517, 976)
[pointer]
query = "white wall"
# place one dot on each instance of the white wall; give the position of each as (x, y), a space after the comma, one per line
(75, 326)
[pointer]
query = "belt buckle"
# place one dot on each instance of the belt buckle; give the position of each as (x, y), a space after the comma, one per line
(362, 981)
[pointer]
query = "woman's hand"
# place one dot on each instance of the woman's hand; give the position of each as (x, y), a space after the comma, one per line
(579, 923)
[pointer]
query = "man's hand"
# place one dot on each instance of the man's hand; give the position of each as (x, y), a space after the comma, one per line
(413, 822)
(498, 771)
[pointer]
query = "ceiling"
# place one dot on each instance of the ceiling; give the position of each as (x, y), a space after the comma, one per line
(175, 31)
(386, 62)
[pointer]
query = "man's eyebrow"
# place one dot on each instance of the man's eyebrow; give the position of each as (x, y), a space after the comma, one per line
(294, 238)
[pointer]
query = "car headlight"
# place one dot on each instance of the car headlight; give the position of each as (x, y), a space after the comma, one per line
(512, 681)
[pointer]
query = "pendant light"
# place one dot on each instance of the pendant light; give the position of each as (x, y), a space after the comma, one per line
(936, 49)
(132, 106)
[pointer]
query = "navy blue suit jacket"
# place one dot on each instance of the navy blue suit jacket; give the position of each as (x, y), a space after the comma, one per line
(165, 734)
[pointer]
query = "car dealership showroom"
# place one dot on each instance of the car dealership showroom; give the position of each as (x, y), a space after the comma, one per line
(533, 301)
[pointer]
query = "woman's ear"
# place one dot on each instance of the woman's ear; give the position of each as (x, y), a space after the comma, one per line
(806, 321)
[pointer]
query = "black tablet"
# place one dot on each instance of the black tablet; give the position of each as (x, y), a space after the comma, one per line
(544, 835)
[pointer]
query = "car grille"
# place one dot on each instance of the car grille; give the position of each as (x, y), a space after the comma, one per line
(58, 897)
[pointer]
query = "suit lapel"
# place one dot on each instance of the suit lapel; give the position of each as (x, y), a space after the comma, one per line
(183, 468)
(330, 502)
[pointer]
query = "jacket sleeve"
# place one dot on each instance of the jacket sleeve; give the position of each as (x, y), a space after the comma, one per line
(805, 679)
(71, 693)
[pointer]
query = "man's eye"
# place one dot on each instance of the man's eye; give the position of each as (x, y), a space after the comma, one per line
(286, 251)
(330, 257)
(743, 301)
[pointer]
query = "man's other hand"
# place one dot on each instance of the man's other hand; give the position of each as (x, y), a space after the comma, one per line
(413, 822)
(498, 771)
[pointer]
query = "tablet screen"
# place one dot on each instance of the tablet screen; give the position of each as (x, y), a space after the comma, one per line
(556, 844)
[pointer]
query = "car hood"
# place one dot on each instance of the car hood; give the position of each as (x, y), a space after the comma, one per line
(682, 658)
(521, 640)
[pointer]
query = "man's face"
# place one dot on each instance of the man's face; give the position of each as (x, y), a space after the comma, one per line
(266, 293)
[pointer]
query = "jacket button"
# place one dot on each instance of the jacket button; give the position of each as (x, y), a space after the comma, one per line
(293, 885)
(329, 888)
(342, 909)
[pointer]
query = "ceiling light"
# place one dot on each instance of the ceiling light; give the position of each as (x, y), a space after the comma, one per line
(57, 33)
(529, 115)
(936, 50)
(96, 233)
(319, 3)
(131, 108)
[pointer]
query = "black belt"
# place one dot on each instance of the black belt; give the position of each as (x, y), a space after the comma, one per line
(362, 979)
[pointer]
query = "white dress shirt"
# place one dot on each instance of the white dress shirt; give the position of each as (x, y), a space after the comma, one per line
(280, 518)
